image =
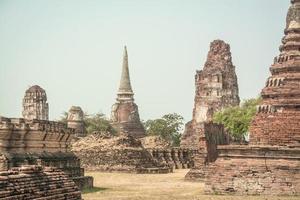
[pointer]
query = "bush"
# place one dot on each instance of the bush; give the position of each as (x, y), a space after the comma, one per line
(237, 120)
(169, 127)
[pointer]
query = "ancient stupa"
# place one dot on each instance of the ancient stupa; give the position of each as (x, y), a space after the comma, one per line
(278, 119)
(35, 104)
(270, 165)
(75, 121)
(125, 115)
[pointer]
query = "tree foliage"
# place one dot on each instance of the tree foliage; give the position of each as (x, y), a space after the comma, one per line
(169, 127)
(93, 123)
(98, 123)
(237, 119)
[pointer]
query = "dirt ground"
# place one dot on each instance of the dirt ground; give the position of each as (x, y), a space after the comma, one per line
(116, 186)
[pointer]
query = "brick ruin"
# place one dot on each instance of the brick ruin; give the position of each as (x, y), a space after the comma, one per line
(216, 88)
(124, 114)
(39, 142)
(34, 141)
(35, 104)
(212, 135)
(75, 121)
(176, 158)
(36, 182)
(270, 164)
(278, 119)
(123, 153)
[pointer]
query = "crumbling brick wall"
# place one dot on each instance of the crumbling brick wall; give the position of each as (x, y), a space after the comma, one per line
(174, 157)
(116, 153)
(211, 136)
(40, 142)
(36, 182)
(254, 171)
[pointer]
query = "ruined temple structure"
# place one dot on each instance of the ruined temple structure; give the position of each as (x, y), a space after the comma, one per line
(39, 142)
(36, 182)
(216, 88)
(125, 115)
(270, 164)
(122, 153)
(35, 104)
(75, 121)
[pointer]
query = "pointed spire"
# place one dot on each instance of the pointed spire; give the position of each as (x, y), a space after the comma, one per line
(125, 91)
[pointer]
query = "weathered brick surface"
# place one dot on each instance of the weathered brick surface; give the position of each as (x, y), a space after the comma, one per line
(35, 104)
(254, 171)
(176, 158)
(278, 118)
(211, 135)
(117, 153)
(36, 182)
(38, 142)
(216, 88)
(276, 128)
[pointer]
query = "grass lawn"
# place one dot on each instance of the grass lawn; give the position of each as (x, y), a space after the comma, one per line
(114, 186)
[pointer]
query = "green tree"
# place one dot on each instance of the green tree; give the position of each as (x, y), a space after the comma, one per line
(93, 122)
(99, 123)
(237, 119)
(169, 127)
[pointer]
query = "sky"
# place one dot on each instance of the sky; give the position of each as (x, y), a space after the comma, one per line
(73, 49)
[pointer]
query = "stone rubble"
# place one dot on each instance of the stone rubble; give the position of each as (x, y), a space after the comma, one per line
(122, 153)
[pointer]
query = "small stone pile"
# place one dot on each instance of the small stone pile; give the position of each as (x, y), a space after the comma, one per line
(104, 152)
(36, 182)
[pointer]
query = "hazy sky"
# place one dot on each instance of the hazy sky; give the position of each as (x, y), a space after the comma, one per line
(73, 49)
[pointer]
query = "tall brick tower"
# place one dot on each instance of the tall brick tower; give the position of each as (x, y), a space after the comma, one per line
(216, 84)
(124, 115)
(278, 119)
(216, 88)
(35, 104)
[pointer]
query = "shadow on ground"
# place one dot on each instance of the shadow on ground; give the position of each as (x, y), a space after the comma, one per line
(93, 190)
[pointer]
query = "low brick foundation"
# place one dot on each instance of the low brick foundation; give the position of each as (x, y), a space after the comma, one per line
(117, 154)
(252, 170)
(36, 182)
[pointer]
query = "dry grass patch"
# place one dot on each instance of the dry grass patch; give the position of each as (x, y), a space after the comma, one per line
(123, 186)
